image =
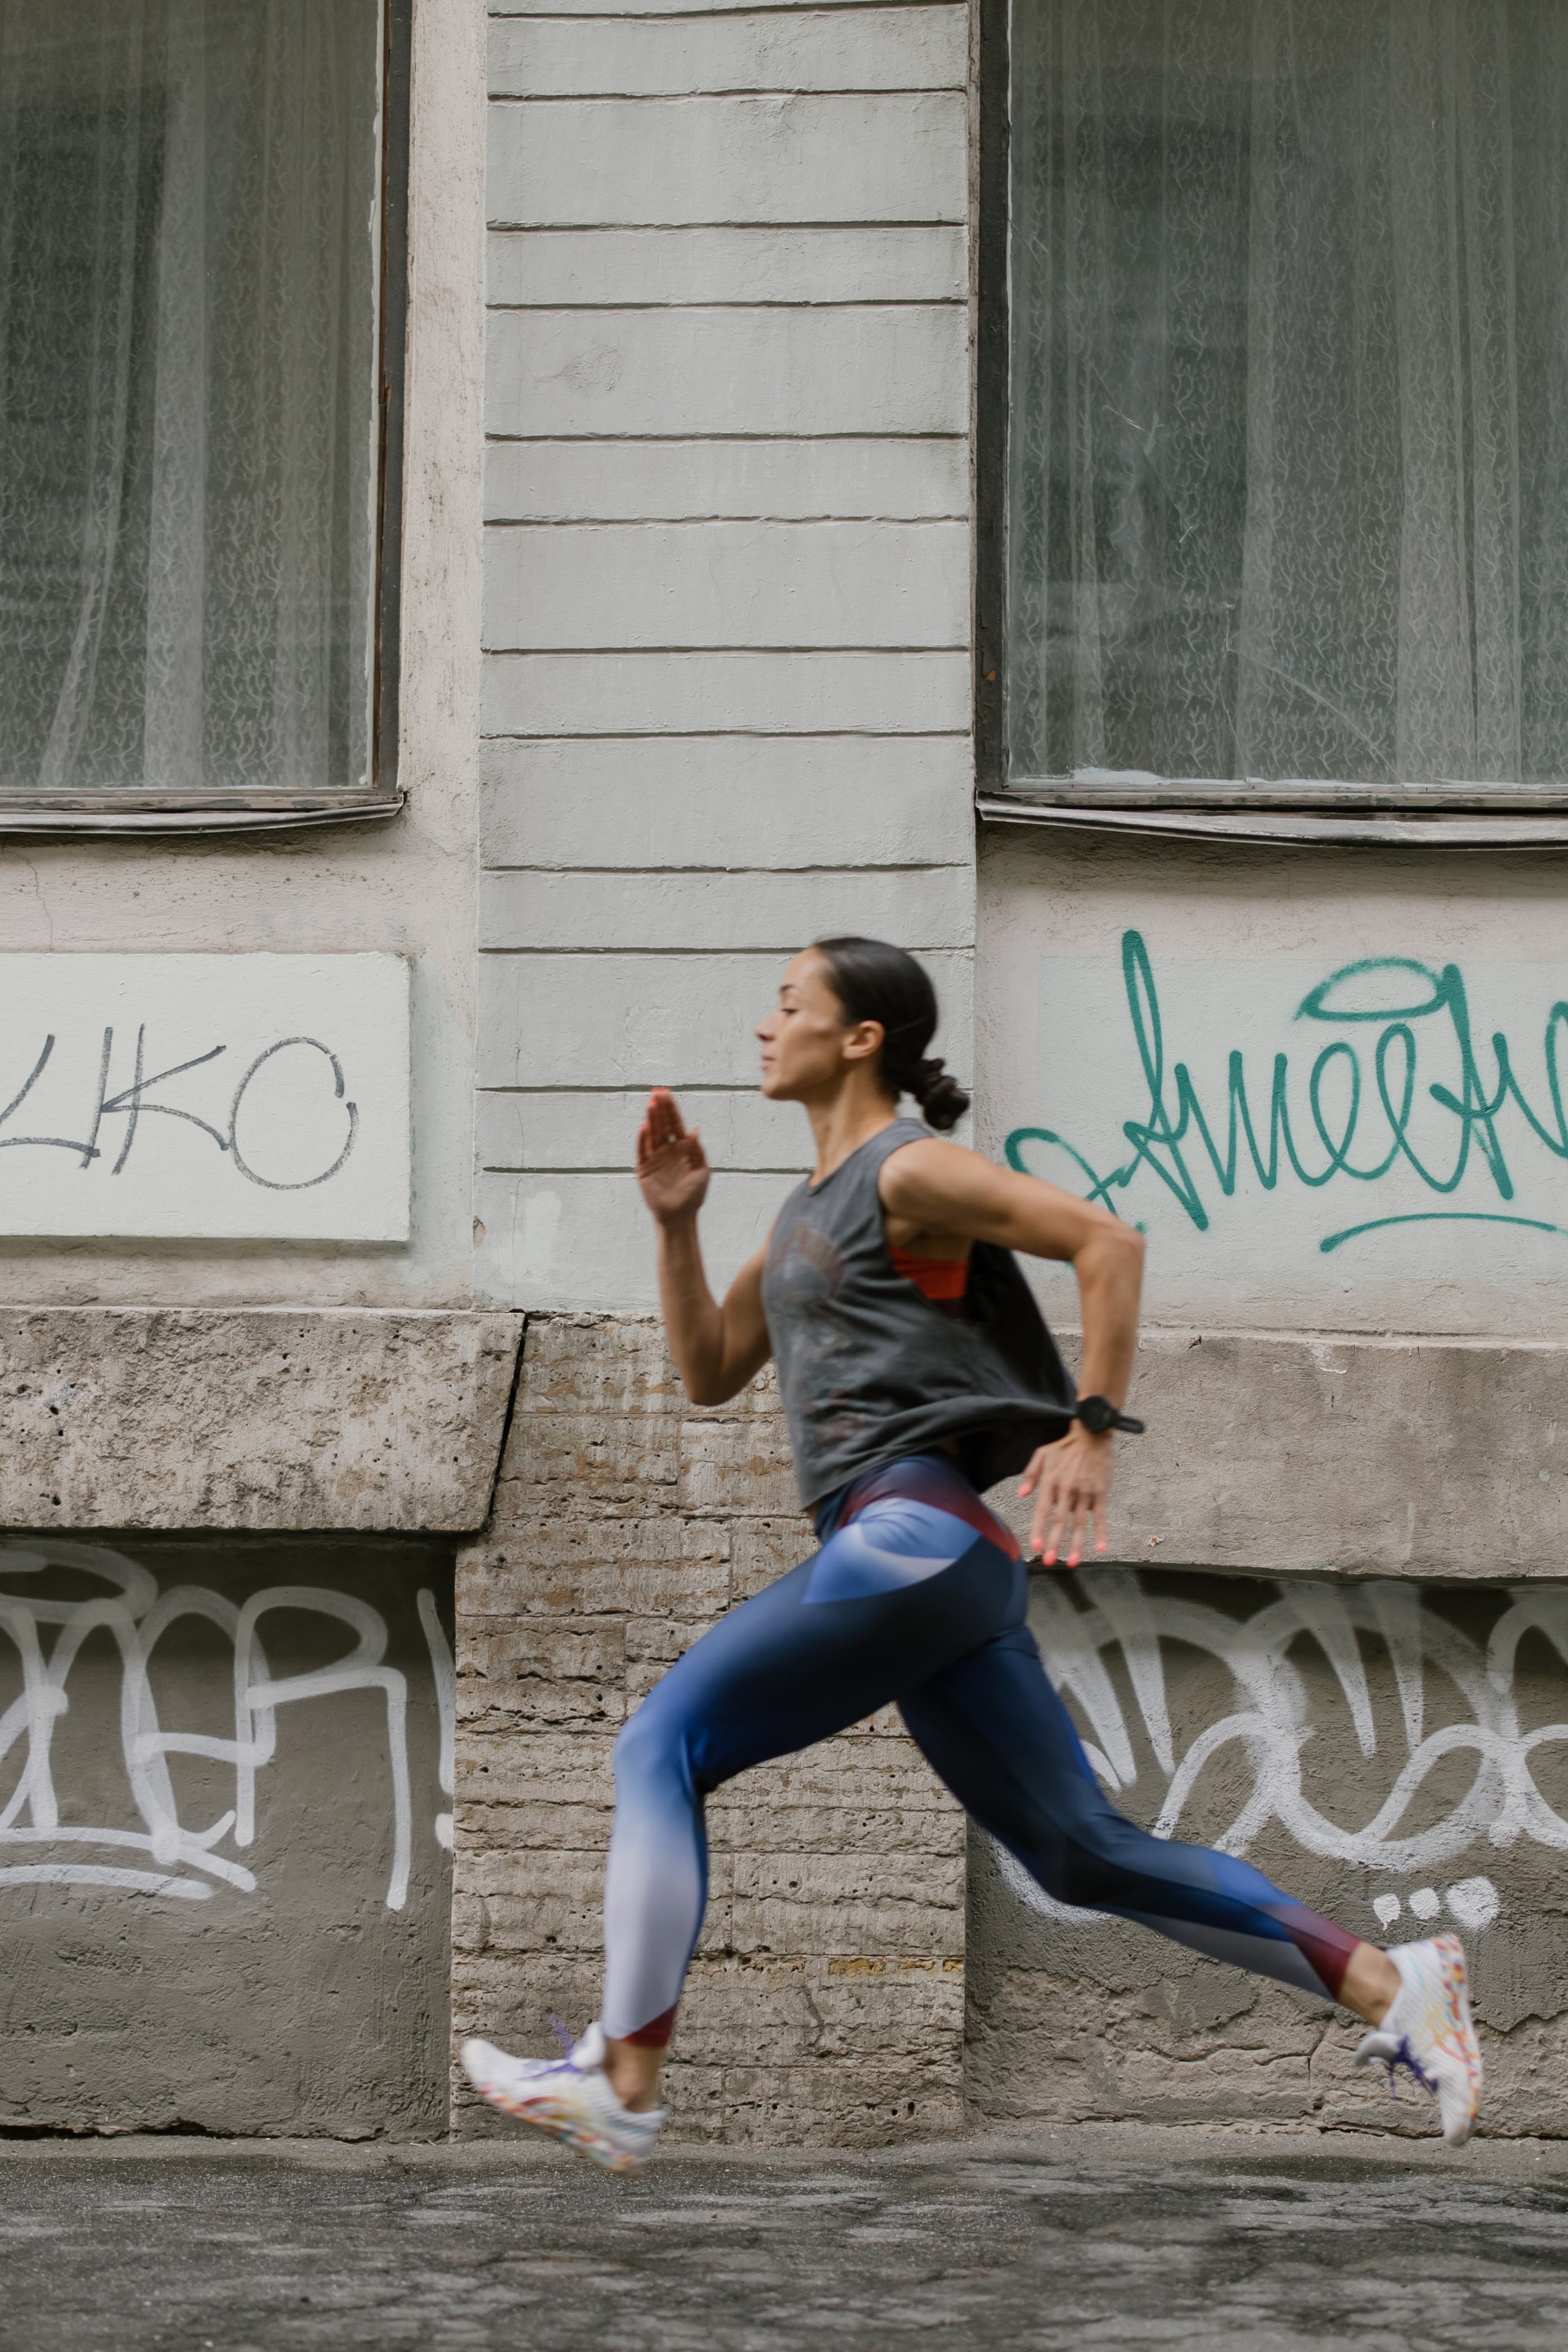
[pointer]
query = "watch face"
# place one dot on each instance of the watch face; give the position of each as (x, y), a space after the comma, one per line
(1095, 1413)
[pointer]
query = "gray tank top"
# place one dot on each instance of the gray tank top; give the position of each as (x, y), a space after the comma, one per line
(869, 1370)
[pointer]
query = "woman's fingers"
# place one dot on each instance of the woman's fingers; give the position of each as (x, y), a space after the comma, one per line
(664, 1114)
(1068, 1513)
(1049, 1518)
(662, 1137)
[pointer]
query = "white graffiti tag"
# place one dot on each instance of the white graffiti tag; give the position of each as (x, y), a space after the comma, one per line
(136, 1617)
(1269, 1718)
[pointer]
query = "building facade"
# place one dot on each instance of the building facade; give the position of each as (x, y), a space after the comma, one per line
(547, 514)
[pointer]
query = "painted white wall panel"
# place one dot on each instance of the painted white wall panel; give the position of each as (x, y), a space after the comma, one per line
(929, 907)
(772, 50)
(566, 1130)
(646, 1020)
(783, 802)
(641, 481)
(730, 694)
(569, 1241)
(1386, 1026)
(727, 583)
(536, 268)
(665, 161)
(205, 1097)
(565, 374)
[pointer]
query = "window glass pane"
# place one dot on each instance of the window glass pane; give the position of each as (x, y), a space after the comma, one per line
(1288, 420)
(187, 345)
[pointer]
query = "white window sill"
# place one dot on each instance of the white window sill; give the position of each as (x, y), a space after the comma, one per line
(1443, 829)
(101, 817)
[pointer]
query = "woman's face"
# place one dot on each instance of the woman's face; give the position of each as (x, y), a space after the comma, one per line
(806, 1043)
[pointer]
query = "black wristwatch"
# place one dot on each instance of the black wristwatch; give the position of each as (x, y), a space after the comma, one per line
(1098, 1414)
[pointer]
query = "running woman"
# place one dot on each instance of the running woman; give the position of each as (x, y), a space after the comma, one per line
(915, 1373)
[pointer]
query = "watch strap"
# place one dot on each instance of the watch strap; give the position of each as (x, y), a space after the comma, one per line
(1111, 1418)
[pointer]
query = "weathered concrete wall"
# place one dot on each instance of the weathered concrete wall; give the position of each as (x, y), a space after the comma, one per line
(727, 681)
(1297, 1456)
(225, 1883)
(826, 2004)
(1391, 1753)
(262, 1418)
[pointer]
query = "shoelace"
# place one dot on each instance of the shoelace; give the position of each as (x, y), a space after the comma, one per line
(1404, 2056)
(567, 2040)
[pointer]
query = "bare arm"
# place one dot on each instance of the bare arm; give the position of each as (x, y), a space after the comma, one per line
(717, 1348)
(939, 1189)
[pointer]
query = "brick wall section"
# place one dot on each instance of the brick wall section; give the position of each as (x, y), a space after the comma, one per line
(827, 2002)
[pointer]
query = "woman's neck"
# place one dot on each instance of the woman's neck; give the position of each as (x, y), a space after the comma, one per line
(842, 1124)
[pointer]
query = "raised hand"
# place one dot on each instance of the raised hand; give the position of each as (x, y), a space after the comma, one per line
(672, 1167)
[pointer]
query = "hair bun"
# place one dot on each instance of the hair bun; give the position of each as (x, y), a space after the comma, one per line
(941, 1097)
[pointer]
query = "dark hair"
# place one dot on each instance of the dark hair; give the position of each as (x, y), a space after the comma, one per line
(874, 982)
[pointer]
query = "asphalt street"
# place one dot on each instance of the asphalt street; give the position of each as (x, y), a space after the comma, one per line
(1090, 2238)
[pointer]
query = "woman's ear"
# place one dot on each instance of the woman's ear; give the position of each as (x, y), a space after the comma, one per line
(863, 1041)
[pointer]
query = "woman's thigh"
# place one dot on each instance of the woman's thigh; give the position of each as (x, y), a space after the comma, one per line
(903, 1586)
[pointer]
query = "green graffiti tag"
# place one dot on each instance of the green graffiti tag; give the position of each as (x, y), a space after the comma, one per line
(1361, 1095)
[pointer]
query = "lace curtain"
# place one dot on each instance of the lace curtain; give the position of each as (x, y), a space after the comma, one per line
(1288, 427)
(187, 326)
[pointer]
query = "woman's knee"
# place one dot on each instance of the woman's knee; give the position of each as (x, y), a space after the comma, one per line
(652, 1744)
(1104, 1853)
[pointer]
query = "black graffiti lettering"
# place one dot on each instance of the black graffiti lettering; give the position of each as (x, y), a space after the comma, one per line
(301, 1184)
(88, 1149)
(133, 1101)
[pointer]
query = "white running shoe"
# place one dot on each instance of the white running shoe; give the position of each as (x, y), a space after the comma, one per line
(1430, 2030)
(568, 2097)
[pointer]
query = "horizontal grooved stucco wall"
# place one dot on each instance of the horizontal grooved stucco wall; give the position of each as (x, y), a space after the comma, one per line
(727, 585)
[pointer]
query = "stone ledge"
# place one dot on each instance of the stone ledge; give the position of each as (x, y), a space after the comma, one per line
(259, 1418)
(1290, 1456)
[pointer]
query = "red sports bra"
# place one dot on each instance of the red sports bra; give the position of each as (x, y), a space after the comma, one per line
(943, 1280)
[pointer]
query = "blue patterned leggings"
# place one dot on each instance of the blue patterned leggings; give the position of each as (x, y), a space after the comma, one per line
(918, 1595)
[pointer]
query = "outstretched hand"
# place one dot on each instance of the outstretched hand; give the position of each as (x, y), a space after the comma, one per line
(1071, 1480)
(672, 1167)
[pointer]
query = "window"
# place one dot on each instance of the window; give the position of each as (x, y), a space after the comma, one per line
(1283, 466)
(197, 320)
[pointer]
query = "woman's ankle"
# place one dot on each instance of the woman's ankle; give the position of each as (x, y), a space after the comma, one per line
(1371, 1983)
(632, 2072)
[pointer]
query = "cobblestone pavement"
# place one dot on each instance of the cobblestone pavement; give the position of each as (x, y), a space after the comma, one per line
(1092, 2238)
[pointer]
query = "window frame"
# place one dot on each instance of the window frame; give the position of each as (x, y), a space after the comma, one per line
(1464, 816)
(151, 809)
